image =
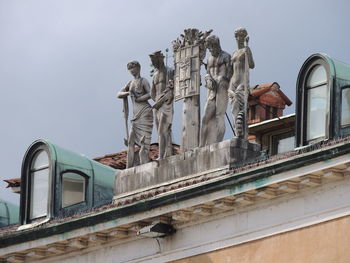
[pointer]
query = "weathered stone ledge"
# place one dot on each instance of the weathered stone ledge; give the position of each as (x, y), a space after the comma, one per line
(178, 167)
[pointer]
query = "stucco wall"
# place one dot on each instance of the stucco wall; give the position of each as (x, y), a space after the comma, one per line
(325, 242)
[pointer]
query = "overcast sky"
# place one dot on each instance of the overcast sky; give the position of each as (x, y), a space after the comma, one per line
(63, 61)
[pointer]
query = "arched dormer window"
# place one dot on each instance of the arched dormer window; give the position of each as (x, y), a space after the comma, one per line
(56, 182)
(39, 184)
(313, 105)
(36, 184)
(316, 106)
(323, 100)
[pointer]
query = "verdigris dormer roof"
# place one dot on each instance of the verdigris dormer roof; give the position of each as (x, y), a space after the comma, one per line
(322, 94)
(68, 182)
(338, 70)
(72, 160)
(8, 213)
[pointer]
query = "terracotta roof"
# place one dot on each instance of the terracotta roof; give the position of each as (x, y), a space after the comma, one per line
(118, 160)
(14, 182)
(114, 160)
(270, 94)
(258, 90)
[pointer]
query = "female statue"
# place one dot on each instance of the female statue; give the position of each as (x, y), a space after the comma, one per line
(238, 91)
(142, 122)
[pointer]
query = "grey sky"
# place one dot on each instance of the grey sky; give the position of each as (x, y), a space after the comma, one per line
(62, 61)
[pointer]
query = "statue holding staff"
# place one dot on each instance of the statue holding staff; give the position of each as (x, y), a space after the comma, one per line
(162, 92)
(138, 90)
(238, 92)
(216, 81)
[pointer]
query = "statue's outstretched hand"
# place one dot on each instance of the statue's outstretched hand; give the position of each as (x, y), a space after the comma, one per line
(123, 94)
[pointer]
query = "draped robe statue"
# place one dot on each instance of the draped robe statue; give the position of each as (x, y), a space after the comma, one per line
(138, 90)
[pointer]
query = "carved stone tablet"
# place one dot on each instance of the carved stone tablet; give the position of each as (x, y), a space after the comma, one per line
(187, 72)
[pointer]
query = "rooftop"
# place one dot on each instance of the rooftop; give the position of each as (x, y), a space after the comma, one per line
(235, 181)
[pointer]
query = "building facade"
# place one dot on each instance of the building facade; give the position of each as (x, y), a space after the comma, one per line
(226, 202)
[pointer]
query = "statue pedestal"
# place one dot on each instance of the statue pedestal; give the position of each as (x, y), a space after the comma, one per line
(183, 166)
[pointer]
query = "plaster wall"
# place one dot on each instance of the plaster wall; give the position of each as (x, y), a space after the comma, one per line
(321, 243)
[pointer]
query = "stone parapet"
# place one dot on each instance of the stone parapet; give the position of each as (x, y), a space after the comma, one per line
(175, 168)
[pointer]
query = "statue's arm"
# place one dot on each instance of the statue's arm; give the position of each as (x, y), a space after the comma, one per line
(124, 92)
(231, 87)
(225, 69)
(147, 95)
(170, 89)
(250, 58)
(232, 71)
(229, 68)
(153, 91)
(170, 84)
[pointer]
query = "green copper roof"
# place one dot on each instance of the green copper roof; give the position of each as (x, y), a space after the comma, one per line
(66, 157)
(99, 178)
(9, 213)
(75, 160)
(338, 70)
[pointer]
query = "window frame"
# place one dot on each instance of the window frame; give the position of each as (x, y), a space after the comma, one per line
(86, 189)
(27, 185)
(279, 136)
(61, 211)
(32, 172)
(307, 90)
(253, 111)
(302, 102)
(343, 127)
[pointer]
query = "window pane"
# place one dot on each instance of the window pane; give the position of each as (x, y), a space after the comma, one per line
(285, 145)
(41, 159)
(345, 107)
(73, 189)
(316, 112)
(317, 76)
(39, 193)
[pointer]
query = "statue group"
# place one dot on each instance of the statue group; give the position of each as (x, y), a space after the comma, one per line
(226, 80)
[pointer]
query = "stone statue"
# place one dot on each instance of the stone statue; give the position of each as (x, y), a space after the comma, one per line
(216, 81)
(142, 122)
(162, 92)
(242, 61)
(189, 52)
